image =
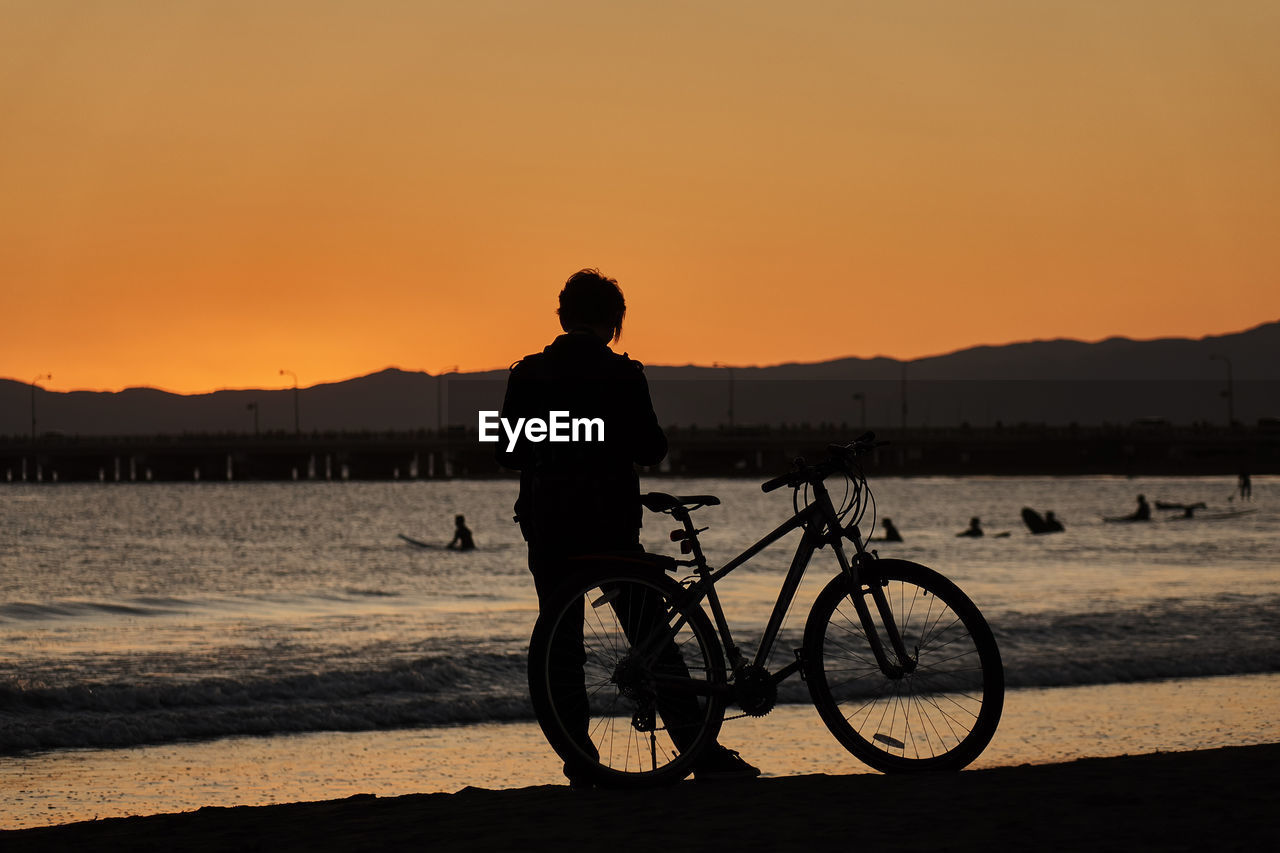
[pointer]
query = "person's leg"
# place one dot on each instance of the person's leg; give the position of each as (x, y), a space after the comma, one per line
(565, 673)
(642, 612)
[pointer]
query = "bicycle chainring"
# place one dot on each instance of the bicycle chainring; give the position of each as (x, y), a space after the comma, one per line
(755, 691)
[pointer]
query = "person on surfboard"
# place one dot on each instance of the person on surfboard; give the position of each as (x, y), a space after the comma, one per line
(1038, 524)
(462, 539)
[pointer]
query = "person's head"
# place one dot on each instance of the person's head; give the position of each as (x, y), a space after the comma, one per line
(459, 520)
(974, 522)
(591, 302)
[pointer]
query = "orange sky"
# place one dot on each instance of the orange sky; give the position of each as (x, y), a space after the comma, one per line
(195, 195)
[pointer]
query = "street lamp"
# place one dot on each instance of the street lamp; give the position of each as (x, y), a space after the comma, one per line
(439, 397)
(1230, 393)
(44, 376)
(297, 424)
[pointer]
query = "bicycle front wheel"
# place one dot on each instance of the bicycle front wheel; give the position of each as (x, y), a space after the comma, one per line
(936, 713)
(627, 679)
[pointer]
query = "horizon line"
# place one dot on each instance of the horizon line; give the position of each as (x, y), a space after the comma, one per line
(713, 366)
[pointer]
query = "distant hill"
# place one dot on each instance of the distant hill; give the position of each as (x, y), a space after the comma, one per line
(1057, 382)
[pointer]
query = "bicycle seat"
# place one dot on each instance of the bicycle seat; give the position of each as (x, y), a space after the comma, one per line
(662, 502)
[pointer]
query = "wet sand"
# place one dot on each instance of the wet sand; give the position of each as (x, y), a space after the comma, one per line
(1222, 799)
(1040, 726)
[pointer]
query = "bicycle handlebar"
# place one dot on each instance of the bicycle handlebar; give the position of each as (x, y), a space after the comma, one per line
(839, 457)
(776, 483)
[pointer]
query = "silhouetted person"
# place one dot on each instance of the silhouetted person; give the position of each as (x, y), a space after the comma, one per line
(891, 533)
(1041, 524)
(583, 497)
(1189, 510)
(975, 528)
(462, 539)
(1143, 512)
(1034, 521)
(1246, 486)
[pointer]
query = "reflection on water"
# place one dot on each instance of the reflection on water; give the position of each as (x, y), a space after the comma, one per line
(136, 614)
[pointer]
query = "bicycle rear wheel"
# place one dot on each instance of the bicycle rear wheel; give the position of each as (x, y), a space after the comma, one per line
(627, 681)
(942, 713)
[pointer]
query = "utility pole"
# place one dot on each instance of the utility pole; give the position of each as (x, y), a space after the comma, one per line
(440, 397)
(43, 376)
(904, 395)
(297, 423)
(730, 369)
(1230, 393)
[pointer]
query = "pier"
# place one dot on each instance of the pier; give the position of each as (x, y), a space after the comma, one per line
(759, 452)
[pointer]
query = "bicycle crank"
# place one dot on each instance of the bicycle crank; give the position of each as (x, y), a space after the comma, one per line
(754, 690)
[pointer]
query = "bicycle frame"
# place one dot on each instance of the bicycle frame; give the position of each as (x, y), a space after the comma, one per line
(821, 525)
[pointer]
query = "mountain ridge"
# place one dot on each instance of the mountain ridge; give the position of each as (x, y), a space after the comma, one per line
(1060, 380)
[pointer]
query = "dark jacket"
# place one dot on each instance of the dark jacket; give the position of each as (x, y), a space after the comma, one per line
(581, 496)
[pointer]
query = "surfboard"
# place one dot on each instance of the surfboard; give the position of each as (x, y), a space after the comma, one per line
(418, 543)
(1214, 516)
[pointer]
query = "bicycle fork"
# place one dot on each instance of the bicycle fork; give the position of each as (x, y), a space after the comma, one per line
(861, 588)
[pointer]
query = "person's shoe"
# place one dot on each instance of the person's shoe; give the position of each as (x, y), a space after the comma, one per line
(578, 780)
(723, 765)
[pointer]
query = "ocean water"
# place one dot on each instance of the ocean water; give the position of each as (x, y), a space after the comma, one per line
(145, 614)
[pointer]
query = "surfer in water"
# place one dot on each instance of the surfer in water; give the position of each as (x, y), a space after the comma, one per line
(462, 539)
(1036, 523)
(1143, 512)
(891, 533)
(975, 528)
(1188, 510)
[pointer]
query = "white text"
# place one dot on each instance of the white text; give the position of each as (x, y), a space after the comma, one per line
(558, 427)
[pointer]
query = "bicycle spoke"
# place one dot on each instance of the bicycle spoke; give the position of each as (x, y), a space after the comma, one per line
(642, 689)
(939, 708)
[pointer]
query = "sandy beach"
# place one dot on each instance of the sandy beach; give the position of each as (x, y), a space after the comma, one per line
(1220, 799)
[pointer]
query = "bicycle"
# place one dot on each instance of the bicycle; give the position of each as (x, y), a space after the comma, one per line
(630, 678)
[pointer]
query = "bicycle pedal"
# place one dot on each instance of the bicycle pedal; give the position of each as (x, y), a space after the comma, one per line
(605, 599)
(887, 740)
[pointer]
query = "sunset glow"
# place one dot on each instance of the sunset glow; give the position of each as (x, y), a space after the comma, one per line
(197, 195)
